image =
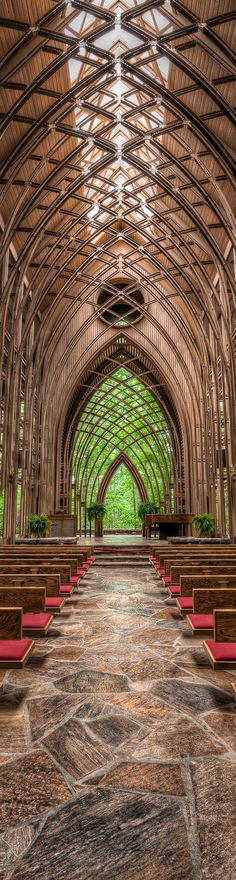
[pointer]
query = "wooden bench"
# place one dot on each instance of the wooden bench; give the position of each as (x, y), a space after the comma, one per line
(221, 650)
(74, 561)
(15, 567)
(41, 550)
(214, 567)
(207, 562)
(53, 600)
(158, 555)
(201, 620)
(35, 620)
(14, 649)
(206, 559)
(202, 582)
(165, 560)
(42, 559)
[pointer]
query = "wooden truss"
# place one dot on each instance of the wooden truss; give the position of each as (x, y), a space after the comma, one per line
(117, 162)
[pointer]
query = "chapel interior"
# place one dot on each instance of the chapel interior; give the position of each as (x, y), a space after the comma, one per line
(118, 426)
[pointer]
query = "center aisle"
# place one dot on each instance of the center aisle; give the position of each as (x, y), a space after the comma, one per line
(123, 745)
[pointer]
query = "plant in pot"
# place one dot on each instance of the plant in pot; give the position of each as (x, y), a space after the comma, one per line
(39, 525)
(204, 524)
(146, 508)
(96, 512)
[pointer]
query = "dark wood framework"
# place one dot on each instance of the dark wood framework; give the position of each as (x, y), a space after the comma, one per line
(170, 226)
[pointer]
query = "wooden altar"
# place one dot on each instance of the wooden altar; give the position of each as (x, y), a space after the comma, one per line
(169, 525)
(64, 525)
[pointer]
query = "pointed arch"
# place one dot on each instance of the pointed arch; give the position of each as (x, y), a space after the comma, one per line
(122, 458)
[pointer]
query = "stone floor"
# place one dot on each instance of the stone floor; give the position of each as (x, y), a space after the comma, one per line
(120, 540)
(118, 743)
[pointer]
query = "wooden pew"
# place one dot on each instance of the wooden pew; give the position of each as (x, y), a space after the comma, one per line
(194, 559)
(71, 552)
(14, 567)
(197, 564)
(42, 559)
(201, 621)
(35, 621)
(213, 567)
(225, 624)
(14, 649)
(74, 560)
(53, 600)
(11, 622)
(167, 552)
(190, 549)
(221, 650)
(165, 559)
(202, 582)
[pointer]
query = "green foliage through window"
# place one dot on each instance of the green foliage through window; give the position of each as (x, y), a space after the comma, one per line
(122, 501)
(123, 416)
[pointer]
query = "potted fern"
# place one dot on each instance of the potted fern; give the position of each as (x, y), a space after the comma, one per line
(204, 524)
(96, 512)
(147, 507)
(39, 525)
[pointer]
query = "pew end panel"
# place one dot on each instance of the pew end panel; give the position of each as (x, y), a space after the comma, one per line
(205, 601)
(14, 650)
(30, 599)
(221, 650)
(225, 624)
(11, 621)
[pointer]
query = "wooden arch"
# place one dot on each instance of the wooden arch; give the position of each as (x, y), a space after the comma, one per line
(122, 458)
(118, 158)
(121, 351)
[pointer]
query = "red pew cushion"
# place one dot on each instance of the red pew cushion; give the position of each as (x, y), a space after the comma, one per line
(66, 588)
(185, 602)
(80, 572)
(38, 621)
(222, 650)
(74, 579)
(161, 571)
(202, 621)
(14, 649)
(54, 602)
(174, 589)
(167, 580)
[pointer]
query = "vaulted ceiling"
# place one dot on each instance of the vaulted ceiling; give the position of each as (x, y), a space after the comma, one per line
(117, 216)
(117, 150)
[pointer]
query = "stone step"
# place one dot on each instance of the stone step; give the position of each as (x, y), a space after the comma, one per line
(135, 566)
(139, 557)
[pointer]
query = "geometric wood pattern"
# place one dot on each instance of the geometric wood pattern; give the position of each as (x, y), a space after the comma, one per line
(117, 175)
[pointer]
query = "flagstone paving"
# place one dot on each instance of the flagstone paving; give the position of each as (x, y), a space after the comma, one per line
(118, 745)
